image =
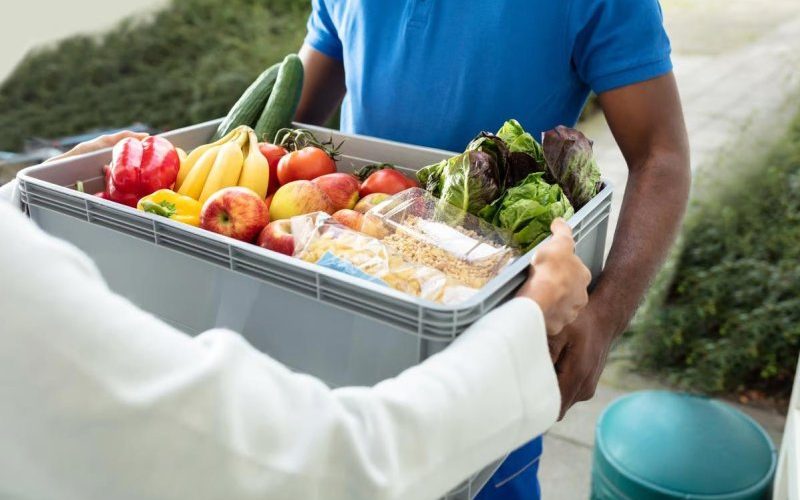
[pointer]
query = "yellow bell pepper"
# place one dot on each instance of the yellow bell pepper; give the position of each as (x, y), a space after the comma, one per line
(168, 203)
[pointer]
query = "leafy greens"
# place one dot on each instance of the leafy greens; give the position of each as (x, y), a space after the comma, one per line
(516, 183)
(571, 163)
(525, 154)
(528, 209)
(470, 181)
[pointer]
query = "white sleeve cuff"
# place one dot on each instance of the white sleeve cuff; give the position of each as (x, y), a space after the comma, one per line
(9, 192)
(532, 357)
(521, 322)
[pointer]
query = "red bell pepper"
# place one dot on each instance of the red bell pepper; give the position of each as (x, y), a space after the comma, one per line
(139, 168)
(114, 194)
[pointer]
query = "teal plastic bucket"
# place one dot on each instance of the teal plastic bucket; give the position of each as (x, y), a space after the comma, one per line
(659, 445)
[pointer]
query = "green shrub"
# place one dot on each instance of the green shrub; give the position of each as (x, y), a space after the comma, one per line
(729, 319)
(185, 64)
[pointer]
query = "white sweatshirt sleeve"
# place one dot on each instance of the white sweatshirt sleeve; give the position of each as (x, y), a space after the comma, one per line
(100, 400)
(10, 193)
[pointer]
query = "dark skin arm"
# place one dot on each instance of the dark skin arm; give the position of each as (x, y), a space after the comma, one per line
(647, 122)
(323, 87)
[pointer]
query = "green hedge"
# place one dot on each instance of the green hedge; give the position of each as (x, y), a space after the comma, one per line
(185, 64)
(729, 318)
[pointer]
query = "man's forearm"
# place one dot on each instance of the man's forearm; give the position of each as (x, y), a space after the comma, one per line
(647, 122)
(323, 86)
(652, 210)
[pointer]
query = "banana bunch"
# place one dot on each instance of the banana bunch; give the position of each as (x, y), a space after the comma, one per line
(233, 160)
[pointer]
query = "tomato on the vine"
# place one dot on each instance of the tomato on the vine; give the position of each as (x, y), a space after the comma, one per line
(305, 164)
(388, 181)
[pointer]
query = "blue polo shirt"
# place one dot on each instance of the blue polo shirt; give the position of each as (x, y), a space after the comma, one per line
(437, 72)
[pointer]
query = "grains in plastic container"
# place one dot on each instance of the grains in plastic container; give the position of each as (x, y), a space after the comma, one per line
(423, 230)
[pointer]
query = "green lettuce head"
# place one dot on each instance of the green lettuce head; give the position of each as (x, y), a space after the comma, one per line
(519, 141)
(528, 209)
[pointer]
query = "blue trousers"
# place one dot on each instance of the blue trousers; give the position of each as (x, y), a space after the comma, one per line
(516, 478)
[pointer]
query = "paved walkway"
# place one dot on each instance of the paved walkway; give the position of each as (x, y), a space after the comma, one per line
(746, 88)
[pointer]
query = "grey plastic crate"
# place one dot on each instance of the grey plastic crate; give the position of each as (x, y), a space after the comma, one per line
(344, 330)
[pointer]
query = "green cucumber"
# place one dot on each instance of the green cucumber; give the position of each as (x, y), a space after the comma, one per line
(249, 106)
(282, 103)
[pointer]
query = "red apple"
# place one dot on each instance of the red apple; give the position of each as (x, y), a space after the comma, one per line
(350, 218)
(368, 202)
(237, 212)
(341, 188)
(277, 236)
(268, 201)
(299, 198)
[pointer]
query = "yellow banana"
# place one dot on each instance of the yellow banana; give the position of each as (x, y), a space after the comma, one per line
(194, 156)
(241, 139)
(182, 161)
(193, 184)
(255, 171)
(226, 171)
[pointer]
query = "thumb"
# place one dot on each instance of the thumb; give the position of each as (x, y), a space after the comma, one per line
(562, 236)
(560, 228)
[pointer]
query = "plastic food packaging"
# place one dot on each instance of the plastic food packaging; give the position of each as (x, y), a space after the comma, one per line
(422, 230)
(304, 226)
(357, 254)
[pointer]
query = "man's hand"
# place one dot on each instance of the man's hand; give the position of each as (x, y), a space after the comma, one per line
(558, 279)
(647, 122)
(101, 142)
(579, 354)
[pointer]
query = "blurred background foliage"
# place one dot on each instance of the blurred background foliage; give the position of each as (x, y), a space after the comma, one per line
(725, 314)
(185, 64)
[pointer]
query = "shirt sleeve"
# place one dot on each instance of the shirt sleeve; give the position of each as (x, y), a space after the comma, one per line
(322, 33)
(99, 399)
(618, 42)
(9, 192)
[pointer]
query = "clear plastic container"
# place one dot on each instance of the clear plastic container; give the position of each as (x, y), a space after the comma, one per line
(303, 227)
(422, 230)
(362, 256)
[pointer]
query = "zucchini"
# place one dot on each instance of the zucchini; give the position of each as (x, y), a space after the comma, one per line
(282, 103)
(249, 106)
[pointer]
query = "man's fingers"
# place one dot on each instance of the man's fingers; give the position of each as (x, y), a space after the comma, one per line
(560, 355)
(568, 381)
(555, 344)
